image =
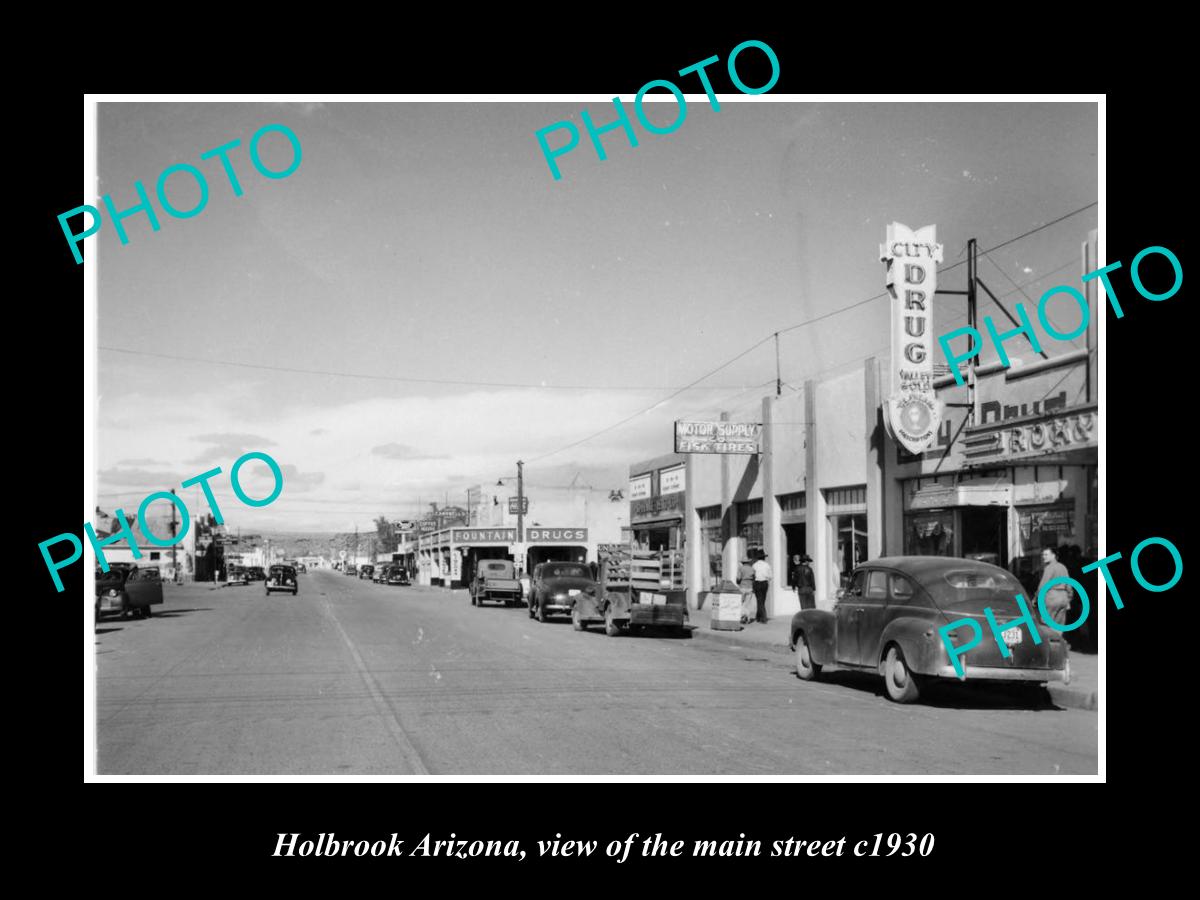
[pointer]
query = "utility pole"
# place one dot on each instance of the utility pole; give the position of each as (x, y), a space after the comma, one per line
(520, 502)
(778, 371)
(174, 564)
(356, 544)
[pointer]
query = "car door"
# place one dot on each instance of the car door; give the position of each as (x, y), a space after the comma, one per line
(142, 589)
(872, 616)
(847, 611)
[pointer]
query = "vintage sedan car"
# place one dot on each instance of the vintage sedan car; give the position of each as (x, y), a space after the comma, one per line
(380, 575)
(887, 619)
(366, 572)
(555, 586)
(282, 578)
(255, 573)
(350, 570)
(128, 590)
(398, 575)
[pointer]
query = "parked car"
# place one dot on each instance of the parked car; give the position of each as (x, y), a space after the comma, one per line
(255, 573)
(555, 587)
(887, 619)
(282, 578)
(496, 581)
(235, 575)
(398, 575)
(366, 572)
(381, 573)
(350, 570)
(128, 590)
(301, 568)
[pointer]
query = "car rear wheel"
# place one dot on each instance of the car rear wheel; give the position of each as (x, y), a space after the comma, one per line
(902, 684)
(805, 667)
(576, 619)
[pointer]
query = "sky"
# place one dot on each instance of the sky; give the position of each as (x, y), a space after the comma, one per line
(421, 304)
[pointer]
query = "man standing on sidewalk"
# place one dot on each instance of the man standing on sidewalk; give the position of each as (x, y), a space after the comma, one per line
(1058, 598)
(806, 583)
(762, 580)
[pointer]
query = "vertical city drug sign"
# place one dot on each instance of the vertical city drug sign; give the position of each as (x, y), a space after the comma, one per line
(912, 411)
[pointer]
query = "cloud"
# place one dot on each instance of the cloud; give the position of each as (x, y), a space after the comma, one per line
(139, 478)
(142, 462)
(293, 479)
(227, 446)
(402, 451)
(319, 431)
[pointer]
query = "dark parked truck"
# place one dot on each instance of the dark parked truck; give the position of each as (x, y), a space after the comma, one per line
(890, 617)
(495, 581)
(557, 587)
(637, 589)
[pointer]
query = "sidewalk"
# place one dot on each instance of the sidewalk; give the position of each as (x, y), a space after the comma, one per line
(1082, 693)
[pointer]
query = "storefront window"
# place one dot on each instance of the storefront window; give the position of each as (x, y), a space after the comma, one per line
(850, 533)
(929, 533)
(749, 520)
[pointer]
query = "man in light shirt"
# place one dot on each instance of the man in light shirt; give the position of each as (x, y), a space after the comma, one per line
(1058, 598)
(762, 580)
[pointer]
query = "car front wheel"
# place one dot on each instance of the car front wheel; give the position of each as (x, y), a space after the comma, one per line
(611, 628)
(541, 613)
(902, 684)
(576, 619)
(805, 667)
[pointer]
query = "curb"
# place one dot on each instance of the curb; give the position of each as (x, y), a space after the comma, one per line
(1062, 695)
(1074, 698)
(731, 637)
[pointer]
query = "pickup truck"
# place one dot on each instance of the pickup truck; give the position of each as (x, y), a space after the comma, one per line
(495, 580)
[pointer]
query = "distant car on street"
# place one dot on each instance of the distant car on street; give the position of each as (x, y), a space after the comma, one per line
(350, 570)
(128, 590)
(282, 578)
(555, 587)
(887, 618)
(379, 576)
(255, 573)
(398, 575)
(301, 568)
(366, 571)
(235, 575)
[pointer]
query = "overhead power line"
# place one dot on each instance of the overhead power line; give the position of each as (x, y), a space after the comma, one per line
(402, 378)
(811, 321)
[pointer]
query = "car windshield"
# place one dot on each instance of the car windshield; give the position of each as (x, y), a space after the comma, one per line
(565, 571)
(497, 567)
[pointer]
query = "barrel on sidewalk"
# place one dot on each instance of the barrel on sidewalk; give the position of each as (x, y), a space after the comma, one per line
(726, 604)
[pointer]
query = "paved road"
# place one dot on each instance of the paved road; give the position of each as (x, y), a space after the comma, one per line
(356, 678)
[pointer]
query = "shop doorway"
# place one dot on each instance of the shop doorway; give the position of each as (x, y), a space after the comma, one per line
(554, 553)
(795, 538)
(985, 534)
(473, 557)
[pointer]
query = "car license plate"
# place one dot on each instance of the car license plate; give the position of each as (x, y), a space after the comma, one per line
(1012, 636)
(574, 592)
